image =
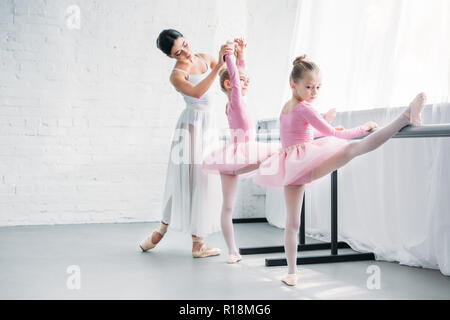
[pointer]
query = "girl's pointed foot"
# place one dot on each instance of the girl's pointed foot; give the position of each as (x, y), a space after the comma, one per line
(414, 111)
(290, 279)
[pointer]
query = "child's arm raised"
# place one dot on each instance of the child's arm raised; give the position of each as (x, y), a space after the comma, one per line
(240, 52)
(235, 82)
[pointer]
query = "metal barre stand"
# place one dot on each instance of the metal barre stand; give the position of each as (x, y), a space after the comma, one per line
(425, 131)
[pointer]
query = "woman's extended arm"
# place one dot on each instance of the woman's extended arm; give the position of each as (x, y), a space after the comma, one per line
(180, 83)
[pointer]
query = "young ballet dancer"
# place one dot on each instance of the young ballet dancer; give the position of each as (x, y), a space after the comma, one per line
(304, 160)
(243, 154)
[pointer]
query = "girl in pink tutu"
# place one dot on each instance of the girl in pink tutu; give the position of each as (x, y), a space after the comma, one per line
(304, 160)
(242, 154)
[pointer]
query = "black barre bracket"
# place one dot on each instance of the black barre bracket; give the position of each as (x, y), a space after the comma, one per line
(249, 220)
(334, 245)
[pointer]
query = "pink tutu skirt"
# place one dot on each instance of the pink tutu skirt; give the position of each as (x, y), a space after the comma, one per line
(235, 156)
(293, 165)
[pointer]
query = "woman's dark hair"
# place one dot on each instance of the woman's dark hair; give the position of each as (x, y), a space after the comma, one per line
(166, 39)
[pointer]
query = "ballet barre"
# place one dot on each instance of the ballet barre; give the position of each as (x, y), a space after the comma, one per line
(425, 131)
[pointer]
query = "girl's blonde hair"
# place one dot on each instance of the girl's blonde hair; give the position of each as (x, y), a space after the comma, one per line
(302, 65)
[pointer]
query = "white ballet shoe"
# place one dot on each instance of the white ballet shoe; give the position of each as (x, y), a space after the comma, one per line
(234, 258)
(204, 250)
(147, 243)
(414, 111)
(290, 279)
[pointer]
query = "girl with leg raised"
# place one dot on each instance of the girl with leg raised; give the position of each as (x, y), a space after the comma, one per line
(304, 160)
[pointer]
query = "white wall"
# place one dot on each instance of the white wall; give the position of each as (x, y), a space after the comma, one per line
(270, 30)
(86, 115)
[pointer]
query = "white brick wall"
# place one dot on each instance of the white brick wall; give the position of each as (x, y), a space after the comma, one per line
(86, 114)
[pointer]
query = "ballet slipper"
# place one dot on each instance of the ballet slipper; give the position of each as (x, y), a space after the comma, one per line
(290, 279)
(234, 258)
(204, 251)
(414, 111)
(147, 243)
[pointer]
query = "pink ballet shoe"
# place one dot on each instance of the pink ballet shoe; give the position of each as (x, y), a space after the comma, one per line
(234, 258)
(204, 250)
(290, 279)
(147, 243)
(415, 109)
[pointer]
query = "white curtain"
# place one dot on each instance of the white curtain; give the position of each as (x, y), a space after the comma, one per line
(375, 56)
(374, 53)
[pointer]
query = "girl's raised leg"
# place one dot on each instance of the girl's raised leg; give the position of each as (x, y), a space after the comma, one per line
(372, 141)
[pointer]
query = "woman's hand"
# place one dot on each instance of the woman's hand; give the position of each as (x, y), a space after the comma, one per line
(330, 115)
(224, 50)
(240, 48)
(370, 125)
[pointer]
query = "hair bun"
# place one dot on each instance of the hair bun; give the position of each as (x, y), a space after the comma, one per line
(300, 59)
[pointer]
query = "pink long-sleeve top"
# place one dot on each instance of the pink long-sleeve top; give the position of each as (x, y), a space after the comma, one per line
(298, 126)
(242, 125)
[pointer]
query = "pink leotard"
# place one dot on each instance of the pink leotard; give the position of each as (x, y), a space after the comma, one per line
(239, 120)
(298, 126)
